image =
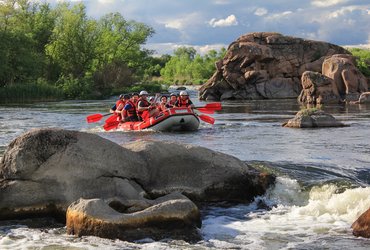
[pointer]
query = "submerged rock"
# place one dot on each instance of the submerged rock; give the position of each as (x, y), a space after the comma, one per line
(266, 65)
(172, 216)
(45, 170)
(312, 118)
(361, 227)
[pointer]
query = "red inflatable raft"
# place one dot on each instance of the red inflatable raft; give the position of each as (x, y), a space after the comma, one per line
(174, 119)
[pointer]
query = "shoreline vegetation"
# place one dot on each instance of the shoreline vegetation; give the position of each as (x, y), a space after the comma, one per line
(56, 52)
(51, 53)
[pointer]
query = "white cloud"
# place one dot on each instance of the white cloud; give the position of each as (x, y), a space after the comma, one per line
(261, 11)
(182, 22)
(346, 10)
(222, 2)
(279, 15)
(327, 3)
(229, 21)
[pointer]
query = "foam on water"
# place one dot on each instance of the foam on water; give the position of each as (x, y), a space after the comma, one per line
(297, 218)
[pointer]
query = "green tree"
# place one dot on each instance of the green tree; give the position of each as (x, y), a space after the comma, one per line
(188, 66)
(120, 60)
(73, 41)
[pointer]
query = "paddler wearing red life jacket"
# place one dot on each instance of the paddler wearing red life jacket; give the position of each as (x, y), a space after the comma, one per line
(173, 99)
(163, 105)
(129, 110)
(143, 105)
(118, 106)
(184, 101)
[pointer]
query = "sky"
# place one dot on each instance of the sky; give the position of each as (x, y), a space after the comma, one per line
(212, 24)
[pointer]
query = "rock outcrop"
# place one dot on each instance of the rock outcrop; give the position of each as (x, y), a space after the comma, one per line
(44, 171)
(312, 118)
(340, 80)
(172, 216)
(318, 89)
(361, 227)
(266, 65)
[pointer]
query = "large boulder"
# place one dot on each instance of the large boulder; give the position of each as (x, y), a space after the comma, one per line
(172, 216)
(44, 171)
(197, 172)
(264, 65)
(361, 227)
(318, 89)
(349, 80)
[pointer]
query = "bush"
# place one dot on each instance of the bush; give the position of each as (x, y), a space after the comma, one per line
(363, 60)
(74, 87)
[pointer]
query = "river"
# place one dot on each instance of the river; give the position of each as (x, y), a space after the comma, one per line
(323, 182)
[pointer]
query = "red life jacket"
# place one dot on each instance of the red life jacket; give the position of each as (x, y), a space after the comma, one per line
(172, 103)
(119, 105)
(132, 111)
(183, 103)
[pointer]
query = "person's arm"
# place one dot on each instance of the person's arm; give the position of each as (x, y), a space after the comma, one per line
(113, 109)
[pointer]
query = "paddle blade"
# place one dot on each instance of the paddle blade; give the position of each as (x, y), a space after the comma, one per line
(112, 118)
(214, 106)
(206, 111)
(207, 119)
(110, 125)
(94, 118)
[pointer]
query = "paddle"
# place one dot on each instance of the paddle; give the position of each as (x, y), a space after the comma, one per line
(112, 118)
(111, 125)
(212, 105)
(207, 119)
(95, 117)
(205, 111)
(210, 108)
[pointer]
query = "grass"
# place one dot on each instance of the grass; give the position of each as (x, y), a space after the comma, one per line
(309, 111)
(31, 92)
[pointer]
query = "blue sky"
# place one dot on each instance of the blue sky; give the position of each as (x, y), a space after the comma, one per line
(207, 24)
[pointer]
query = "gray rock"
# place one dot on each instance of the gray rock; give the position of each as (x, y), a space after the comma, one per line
(312, 118)
(173, 216)
(44, 170)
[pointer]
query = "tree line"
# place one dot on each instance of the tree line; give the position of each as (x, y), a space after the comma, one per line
(83, 57)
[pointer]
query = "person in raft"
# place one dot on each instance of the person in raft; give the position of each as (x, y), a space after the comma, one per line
(129, 110)
(173, 99)
(135, 98)
(144, 105)
(184, 100)
(118, 106)
(163, 105)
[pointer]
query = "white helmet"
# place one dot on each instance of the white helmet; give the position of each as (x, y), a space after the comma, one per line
(143, 92)
(183, 93)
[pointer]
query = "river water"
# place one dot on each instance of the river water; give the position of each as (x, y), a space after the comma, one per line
(323, 181)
